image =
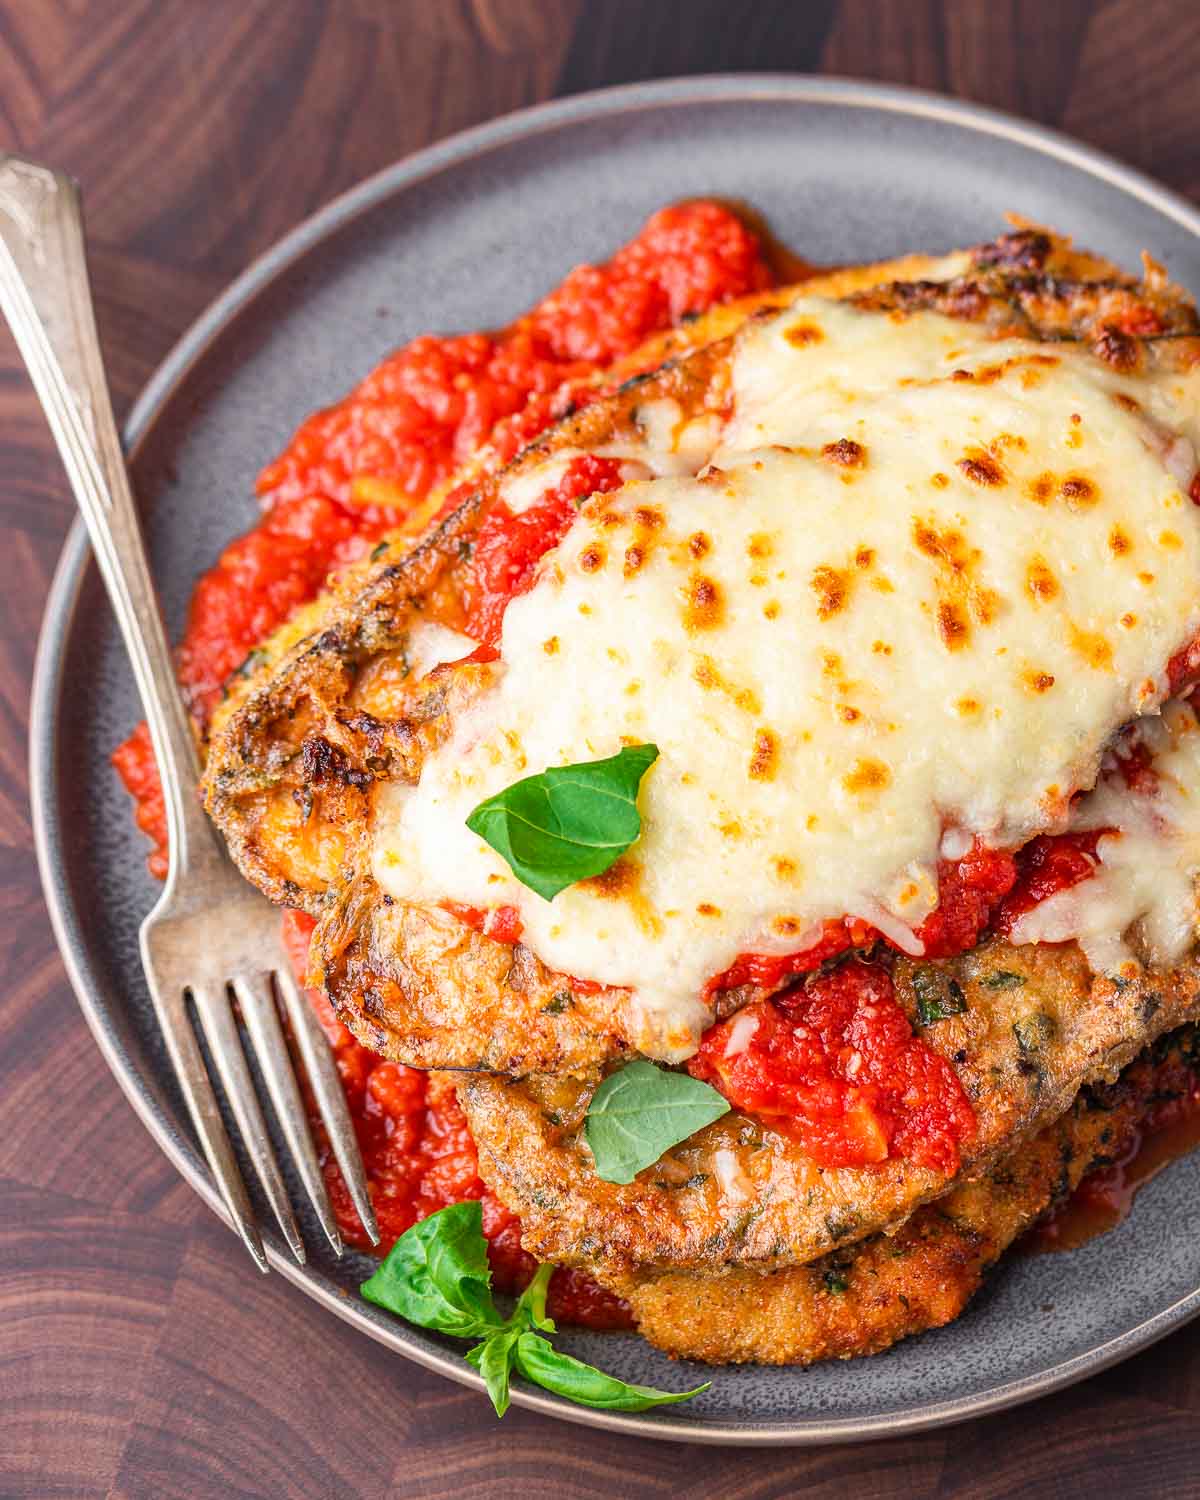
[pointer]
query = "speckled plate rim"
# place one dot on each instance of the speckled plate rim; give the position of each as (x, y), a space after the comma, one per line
(58, 623)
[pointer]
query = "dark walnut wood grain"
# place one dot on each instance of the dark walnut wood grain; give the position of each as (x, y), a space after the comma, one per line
(138, 1356)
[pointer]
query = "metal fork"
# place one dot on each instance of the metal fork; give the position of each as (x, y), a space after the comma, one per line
(210, 934)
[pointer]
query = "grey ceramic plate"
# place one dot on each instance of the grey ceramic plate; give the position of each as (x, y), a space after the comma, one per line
(463, 236)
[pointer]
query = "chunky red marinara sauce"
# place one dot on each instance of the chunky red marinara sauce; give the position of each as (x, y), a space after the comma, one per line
(355, 471)
(835, 1065)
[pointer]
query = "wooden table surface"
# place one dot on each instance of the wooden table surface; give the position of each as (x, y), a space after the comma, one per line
(138, 1354)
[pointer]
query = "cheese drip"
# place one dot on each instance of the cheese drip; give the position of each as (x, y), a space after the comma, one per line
(926, 577)
(1143, 894)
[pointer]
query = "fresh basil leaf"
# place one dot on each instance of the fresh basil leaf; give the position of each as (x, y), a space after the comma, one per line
(568, 822)
(494, 1361)
(437, 1276)
(539, 1361)
(640, 1111)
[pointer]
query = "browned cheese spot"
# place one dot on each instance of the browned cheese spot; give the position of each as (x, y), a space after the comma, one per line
(953, 627)
(968, 707)
(707, 909)
(866, 775)
(801, 335)
(939, 480)
(703, 604)
(1145, 578)
(787, 926)
(785, 869)
(550, 647)
(1079, 492)
(845, 453)
(620, 879)
(981, 468)
(947, 548)
(648, 517)
(710, 677)
(881, 648)
(765, 757)
(623, 882)
(1040, 583)
(699, 545)
(1093, 648)
(986, 604)
(1128, 621)
(1126, 403)
(1041, 490)
(1119, 541)
(832, 588)
(635, 556)
(847, 713)
(592, 557)
(1037, 682)
(1171, 540)
(864, 557)
(759, 546)
(960, 596)
(771, 609)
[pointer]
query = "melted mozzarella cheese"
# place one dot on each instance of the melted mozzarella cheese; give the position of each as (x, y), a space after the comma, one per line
(432, 645)
(925, 578)
(1146, 878)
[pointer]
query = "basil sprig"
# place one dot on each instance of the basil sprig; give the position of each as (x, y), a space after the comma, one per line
(568, 822)
(437, 1275)
(641, 1111)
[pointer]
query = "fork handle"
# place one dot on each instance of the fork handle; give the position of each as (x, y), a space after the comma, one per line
(45, 297)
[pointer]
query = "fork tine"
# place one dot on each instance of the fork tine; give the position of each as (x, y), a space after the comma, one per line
(331, 1100)
(257, 1004)
(192, 1077)
(212, 1006)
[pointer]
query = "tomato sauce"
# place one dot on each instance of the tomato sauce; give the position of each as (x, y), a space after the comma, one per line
(836, 1067)
(509, 547)
(969, 891)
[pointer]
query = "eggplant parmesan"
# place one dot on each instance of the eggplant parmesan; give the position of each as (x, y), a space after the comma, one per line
(890, 581)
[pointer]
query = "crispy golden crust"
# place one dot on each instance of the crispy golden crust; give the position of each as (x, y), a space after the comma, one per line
(415, 982)
(863, 1300)
(1022, 1053)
